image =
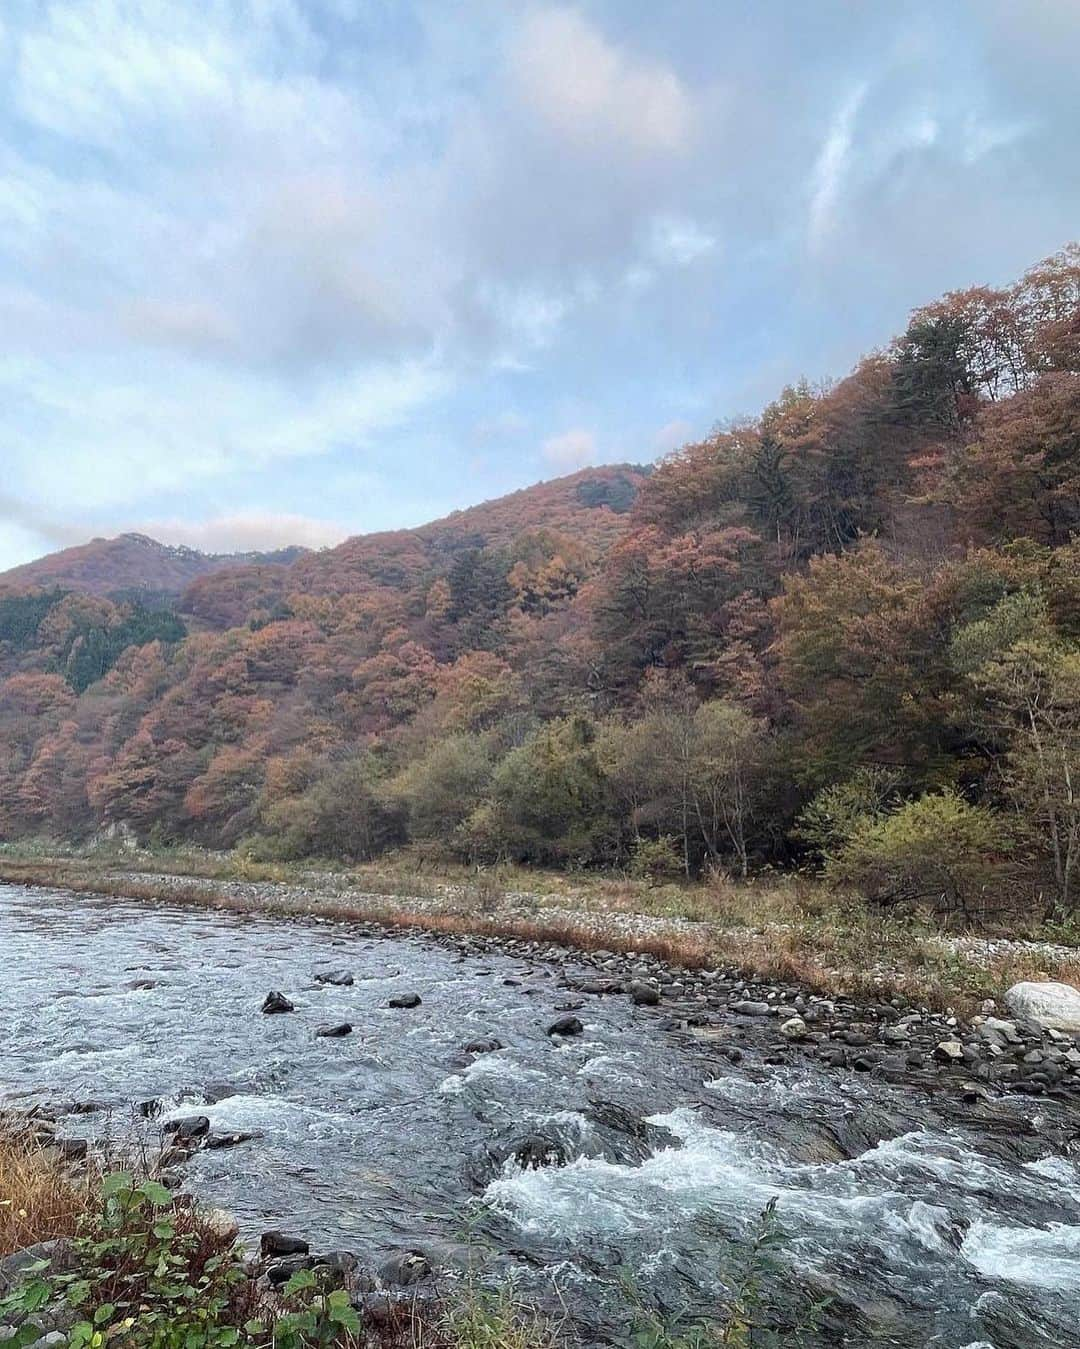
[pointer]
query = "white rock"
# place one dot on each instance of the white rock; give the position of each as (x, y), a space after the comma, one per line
(1050, 1006)
(950, 1050)
(794, 1028)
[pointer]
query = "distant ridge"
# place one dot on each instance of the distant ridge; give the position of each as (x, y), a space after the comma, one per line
(131, 564)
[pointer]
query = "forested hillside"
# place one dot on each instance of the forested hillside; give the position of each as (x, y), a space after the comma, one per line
(845, 634)
(130, 565)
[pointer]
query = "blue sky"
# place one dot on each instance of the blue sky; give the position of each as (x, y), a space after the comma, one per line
(285, 270)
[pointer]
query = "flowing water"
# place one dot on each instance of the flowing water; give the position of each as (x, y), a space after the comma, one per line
(924, 1230)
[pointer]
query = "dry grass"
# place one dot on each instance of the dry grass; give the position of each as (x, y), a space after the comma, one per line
(781, 929)
(40, 1197)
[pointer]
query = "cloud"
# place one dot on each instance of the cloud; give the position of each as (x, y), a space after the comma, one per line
(830, 168)
(593, 93)
(570, 450)
(247, 532)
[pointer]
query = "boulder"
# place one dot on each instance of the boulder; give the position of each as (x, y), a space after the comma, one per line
(486, 1044)
(405, 1268)
(339, 978)
(794, 1028)
(1049, 1006)
(750, 1007)
(405, 1000)
(643, 994)
(277, 1002)
(950, 1051)
(333, 1032)
(566, 1025)
(189, 1128)
(273, 1244)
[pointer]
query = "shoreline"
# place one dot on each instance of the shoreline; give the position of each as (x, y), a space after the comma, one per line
(678, 970)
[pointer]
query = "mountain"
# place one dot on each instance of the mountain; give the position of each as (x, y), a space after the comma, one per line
(847, 630)
(131, 565)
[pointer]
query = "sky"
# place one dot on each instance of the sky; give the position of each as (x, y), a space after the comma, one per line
(281, 271)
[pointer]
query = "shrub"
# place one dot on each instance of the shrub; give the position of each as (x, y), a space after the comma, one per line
(938, 850)
(656, 859)
(827, 823)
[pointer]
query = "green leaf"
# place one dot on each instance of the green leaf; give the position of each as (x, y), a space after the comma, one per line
(302, 1280)
(103, 1313)
(115, 1183)
(156, 1193)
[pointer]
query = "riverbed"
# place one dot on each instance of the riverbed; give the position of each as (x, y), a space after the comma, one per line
(635, 1153)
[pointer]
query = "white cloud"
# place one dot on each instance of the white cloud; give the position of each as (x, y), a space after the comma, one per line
(831, 167)
(592, 93)
(101, 439)
(570, 450)
(247, 531)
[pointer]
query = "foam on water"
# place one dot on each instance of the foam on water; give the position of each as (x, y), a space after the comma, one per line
(1047, 1258)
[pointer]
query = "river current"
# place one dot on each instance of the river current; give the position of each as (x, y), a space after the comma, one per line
(921, 1230)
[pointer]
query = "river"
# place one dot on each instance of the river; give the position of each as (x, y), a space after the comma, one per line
(922, 1230)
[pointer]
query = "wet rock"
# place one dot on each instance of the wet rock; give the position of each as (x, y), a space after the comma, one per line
(405, 1000)
(216, 1142)
(338, 978)
(277, 1002)
(405, 1268)
(485, 1044)
(566, 1025)
(643, 994)
(275, 1243)
(188, 1129)
(333, 1032)
(281, 1271)
(1049, 1006)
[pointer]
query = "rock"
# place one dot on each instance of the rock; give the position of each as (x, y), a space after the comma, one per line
(748, 1007)
(231, 1140)
(71, 1149)
(275, 1243)
(277, 1002)
(405, 1000)
(1050, 1006)
(1000, 1033)
(333, 1032)
(281, 1271)
(221, 1223)
(405, 1268)
(566, 1025)
(642, 994)
(950, 1051)
(486, 1044)
(339, 978)
(794, 1028)
(189, 1128)
(14, 1267)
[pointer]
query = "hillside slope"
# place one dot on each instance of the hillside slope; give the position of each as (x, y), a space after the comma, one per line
(845, 632)
(129, 564)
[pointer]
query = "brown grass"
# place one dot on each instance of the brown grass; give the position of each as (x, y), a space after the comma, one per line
(40, 1198)
(781, 929)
